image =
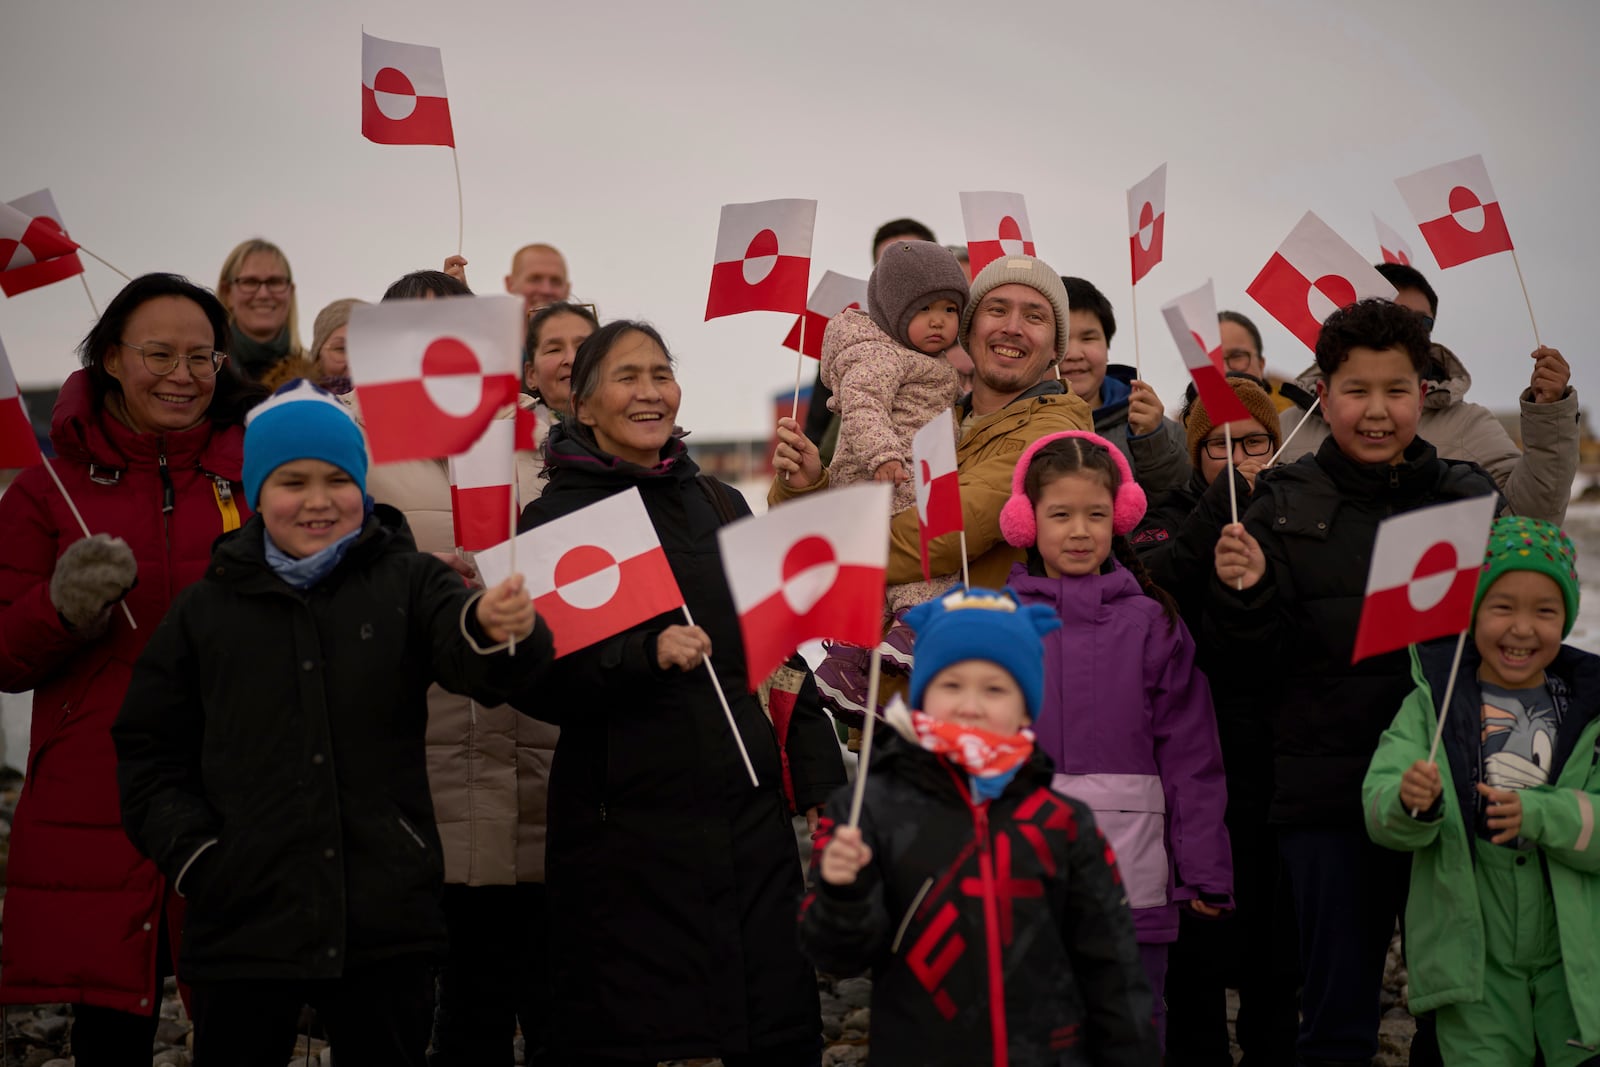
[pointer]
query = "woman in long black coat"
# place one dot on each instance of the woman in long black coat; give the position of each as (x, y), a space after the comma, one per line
(673, 883)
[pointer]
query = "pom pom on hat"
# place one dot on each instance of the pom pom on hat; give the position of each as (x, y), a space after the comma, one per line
(300, 421)
(981, 624)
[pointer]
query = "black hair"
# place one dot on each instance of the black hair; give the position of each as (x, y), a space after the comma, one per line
(536, 321)
(419, 283)
(1372, 323)
(1403, 277)
(900, 228)
(1083, 296)
(1244, 322)
(233, 394)
(592, 353)
(1075, 455)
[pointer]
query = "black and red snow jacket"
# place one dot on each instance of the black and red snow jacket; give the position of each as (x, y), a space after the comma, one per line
(997, 933)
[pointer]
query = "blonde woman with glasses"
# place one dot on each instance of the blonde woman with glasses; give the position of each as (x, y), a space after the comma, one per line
(256, 287)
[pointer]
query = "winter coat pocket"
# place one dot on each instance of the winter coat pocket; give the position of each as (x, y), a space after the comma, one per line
(1132, 812)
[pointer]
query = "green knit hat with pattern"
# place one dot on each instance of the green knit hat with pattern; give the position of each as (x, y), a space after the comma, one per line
(1518, 543)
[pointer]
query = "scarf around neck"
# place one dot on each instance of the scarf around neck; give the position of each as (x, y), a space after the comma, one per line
(256, 357)
(305, 572)
(991, 760)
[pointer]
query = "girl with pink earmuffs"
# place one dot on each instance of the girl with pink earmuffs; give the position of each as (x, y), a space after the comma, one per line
(1126, 717)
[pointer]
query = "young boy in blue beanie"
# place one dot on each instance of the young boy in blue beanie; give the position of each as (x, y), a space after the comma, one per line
(270, 749)
(1503, 922)
(988, 907)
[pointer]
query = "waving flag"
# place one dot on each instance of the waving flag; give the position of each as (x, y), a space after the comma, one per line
(1391, 244)
(430, 374)
(938, 483)
(997, 225)
(1192, 318)
(810, 568)
(483, 488)
(18, 445)
(1147, 221)
(1313, 274)
(1425, 568)
(402, 94)
(1456, 210)
(833, 294)
(34, 247)
(763, 258)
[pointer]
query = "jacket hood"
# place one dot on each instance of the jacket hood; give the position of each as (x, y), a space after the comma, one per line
(1446, 379)
(1114, 582)
(573, 458)
(852, 327)
(84, 431)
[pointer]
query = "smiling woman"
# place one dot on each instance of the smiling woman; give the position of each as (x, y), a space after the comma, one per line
(256, 287)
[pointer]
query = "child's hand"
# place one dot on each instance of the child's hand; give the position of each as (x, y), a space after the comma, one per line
(1240, 561)
(892, 472)
(844, 857)
(1200, 907)
(1420, 786)
(1505, 813)
(505, 612)
(456, 267)
(1252, 466)
(1144, 408)
(683, 647)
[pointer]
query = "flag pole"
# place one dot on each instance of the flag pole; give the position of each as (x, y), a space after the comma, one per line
(512, 490)
(799, 370)
(1444, 708)
(866, 740)
(1537, 343)
(1233, 490)
(1134, 300)
(966, 579)
(461, 214)
(93, 306)
(76, 514)
(716, 684)
(102, 262)
(1303, 420)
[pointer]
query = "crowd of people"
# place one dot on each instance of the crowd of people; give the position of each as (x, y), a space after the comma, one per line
(287, 747)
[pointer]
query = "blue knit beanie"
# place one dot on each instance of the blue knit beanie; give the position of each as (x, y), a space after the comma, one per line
(300, 421)
(981, 624)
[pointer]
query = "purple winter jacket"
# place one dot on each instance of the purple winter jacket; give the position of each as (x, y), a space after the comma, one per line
(1127, 719)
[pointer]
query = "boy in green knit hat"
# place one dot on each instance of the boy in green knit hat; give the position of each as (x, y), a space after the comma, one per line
(1503, 922)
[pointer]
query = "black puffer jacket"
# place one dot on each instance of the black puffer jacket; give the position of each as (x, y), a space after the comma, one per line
(997, 933)
(287, 727)
(1293, 633)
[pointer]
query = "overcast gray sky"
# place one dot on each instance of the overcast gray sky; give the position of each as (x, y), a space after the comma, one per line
(170, 131)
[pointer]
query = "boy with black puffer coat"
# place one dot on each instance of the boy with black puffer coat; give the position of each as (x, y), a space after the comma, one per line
(1503, 926)
(1290, 584)
(271, 752)
(988, 906)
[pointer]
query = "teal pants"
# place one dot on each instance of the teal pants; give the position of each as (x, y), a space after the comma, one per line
(1525, 1001)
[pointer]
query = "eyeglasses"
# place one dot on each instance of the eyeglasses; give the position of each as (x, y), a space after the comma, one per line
(277, 285)
(594, 312)
(162, 361)
(1238, 358)
(1254, 444)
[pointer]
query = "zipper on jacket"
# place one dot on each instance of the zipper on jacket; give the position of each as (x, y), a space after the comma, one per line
(991, 929)
(168, 497)
(1394, 477)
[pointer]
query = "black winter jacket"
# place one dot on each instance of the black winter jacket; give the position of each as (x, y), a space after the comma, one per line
(287, 727)
(997, 933)
(1294, 632)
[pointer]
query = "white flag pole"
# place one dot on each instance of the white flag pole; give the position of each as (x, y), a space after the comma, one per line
(1303, 420)
(461, 214)
(1444, 707)
(76, 514)
(966, 579)
(512, 490)
(716, 684)
(1233, 490)
(799, 370)
(102, 262)
(1134, 300)
(866, 740)
(92, 305)
(1525, 300)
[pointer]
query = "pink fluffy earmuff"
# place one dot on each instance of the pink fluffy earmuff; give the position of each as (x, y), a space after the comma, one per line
(1016, 518)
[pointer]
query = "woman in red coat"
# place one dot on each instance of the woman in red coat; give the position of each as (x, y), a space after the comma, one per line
(149, 438)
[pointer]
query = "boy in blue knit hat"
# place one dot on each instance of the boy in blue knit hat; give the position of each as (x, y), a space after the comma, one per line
(271, 749)
(988, 907)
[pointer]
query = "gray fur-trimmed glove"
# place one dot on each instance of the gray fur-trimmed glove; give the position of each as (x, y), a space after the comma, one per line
(91, 576)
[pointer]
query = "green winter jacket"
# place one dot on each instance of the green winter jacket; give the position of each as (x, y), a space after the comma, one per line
(1444, 925)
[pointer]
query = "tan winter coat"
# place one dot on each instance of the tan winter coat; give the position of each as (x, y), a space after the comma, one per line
(1536, 480)
(488, 767)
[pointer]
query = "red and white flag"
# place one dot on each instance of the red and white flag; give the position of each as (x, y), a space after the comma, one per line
(810, 568)
(1192, 318)
(18, 445)
(1456, 210)
(34, 247)
(1147, 221)
(526, 438)
(483, 488)
(402, 94)
(997, 225)
(833, 294)
(591, 574)
(1391, 244)
(763, 258)
(938, 483)
(1314, 273)
(1425, 568)
(430, 374)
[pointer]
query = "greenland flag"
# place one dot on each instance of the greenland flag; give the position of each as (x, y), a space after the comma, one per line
(1314, 273)
(833, 294)
(1425, 568)
(1391, 244)
(997, 225)
(763, 258)
(402, 94)
(431, 374)
(1147, 220)
(34, 247)
(591, 574)
(18, 445)
(1192, 318)
(811, 568)
(1456, 210)
(933, 454)
(483, 488)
